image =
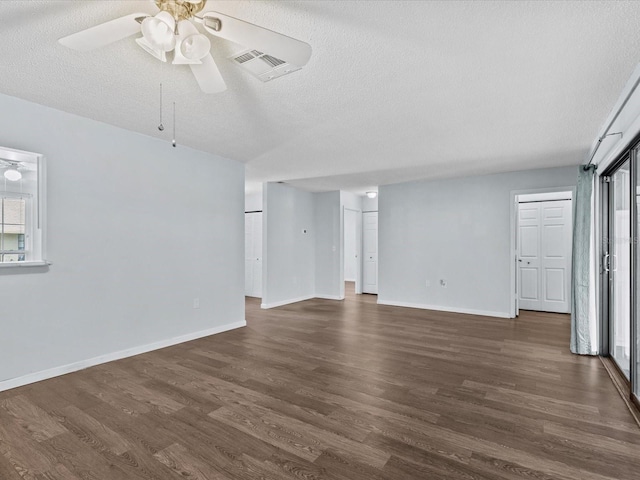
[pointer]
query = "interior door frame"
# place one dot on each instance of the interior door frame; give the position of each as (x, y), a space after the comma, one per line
(513, 233)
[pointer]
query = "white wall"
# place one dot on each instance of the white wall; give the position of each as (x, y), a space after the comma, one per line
(369, 204)
(328, 245)
(457, 230)
(253, 202)
(132, 238)
(351, 200)
(298, 266)
(288, 261)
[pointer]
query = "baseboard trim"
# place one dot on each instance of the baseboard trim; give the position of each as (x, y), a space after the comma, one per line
(330, 297)
(622, 386)
(286, 302)
(467, 311)
(110, 357)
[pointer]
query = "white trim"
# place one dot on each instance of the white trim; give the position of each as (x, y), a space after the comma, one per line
(330, 297)
(43, 263)
(439, 308)
(544, 197)
(286, 302)
(110, 357)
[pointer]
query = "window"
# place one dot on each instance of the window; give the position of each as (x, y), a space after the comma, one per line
(21, 208)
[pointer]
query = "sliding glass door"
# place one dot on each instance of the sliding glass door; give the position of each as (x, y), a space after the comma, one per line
(635, 282)
(617, 263)
(620, 266)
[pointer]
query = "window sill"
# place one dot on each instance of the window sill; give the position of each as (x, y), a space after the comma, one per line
(43, 263)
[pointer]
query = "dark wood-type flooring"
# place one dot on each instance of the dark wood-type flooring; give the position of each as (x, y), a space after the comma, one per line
(333, 390)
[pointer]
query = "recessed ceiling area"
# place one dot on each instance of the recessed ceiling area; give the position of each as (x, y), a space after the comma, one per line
(394, 91)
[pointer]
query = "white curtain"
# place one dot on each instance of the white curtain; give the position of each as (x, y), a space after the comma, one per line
(584, 331)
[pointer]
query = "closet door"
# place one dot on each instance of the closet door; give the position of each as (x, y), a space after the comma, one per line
(544, 259)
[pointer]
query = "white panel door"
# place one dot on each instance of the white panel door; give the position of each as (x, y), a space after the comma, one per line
(370, 252)
(544, 255)
(529, 256)
(253, 254)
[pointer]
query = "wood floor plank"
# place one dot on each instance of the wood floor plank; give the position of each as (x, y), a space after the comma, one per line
(7, 471)
(21, 451)
(32, 418)
(280, 466)
(86, 462)
(179, 459)
(333, 390)
(289, 440)
(92, 431)
(112, 396)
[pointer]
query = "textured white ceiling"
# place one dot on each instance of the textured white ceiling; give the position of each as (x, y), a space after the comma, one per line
(394, 90)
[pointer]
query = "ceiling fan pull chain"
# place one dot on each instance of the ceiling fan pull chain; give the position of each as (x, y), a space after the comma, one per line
(160, 126)
(174, 124)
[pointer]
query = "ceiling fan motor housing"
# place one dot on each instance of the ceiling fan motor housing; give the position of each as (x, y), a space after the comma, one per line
(181, 9)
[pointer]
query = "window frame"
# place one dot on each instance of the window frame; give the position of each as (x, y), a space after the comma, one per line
(35, 213)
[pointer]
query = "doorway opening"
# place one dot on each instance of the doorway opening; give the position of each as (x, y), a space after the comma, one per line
(370, 252)
(541, 246)
(352, 239)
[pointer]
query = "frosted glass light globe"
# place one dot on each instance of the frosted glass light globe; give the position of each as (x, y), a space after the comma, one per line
(12, 175)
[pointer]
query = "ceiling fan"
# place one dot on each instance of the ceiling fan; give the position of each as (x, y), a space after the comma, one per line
(172, 35)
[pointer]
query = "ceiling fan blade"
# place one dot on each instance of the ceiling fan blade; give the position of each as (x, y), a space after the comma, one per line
(104, 34)
(249, 35)
(208, 76)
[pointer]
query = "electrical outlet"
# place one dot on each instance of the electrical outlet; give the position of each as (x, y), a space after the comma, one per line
(196, 302)
(443, 283)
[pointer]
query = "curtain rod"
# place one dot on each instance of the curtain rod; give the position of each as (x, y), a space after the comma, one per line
(615, 117)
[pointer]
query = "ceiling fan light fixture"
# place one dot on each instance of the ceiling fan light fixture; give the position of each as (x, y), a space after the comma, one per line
(158, 31)
(191, 46)
(195, 47)
(12, 174)
(151, 50)
(164, 39)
